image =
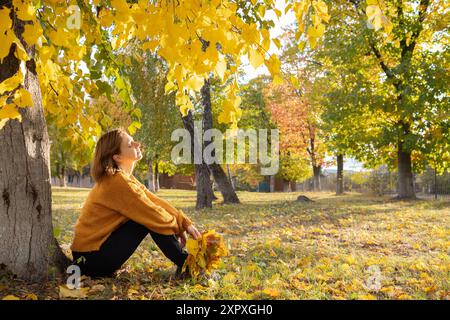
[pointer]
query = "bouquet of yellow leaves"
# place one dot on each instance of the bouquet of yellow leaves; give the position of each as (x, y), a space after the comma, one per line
(204, 253)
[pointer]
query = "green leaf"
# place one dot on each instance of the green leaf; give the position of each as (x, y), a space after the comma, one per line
(56, 232)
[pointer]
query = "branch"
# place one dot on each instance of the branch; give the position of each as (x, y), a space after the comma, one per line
(423, 6)
(383, 65)
(56, 92)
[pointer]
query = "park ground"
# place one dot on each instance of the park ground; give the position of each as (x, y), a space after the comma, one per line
(338, 247)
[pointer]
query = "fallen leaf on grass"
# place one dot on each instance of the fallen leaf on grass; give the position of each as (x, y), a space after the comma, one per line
(31, 296)
(274, 293)
(96, 288)
(65, 292)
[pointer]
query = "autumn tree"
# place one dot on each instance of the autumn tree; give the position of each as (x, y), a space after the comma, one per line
(299, 133)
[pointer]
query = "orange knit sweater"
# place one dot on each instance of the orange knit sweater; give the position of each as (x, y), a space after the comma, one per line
(114, 201)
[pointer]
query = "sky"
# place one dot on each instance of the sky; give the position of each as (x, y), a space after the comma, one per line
(275, 32)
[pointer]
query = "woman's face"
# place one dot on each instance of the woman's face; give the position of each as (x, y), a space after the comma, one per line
(129, 150)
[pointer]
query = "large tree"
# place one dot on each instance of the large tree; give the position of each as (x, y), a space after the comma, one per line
(26, 239)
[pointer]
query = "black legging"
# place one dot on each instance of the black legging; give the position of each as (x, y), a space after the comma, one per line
(120, 245)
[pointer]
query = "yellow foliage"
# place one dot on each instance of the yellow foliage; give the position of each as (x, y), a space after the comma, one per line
(205, 253)
(31, 33)
(9, 111)
(256, 59)
(22, 98)
(5, 20)
(6, 39)
(11, 83)
(274, 293)
(367, 297)
(65, 292)
(31, 296)
(24, 9)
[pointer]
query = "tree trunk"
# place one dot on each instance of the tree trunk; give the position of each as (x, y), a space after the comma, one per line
(28, 247)
(405, 176)
(223, 183)
(205, 192)
(230, 178)
(156, 175)
(62, 177)
(272, 183)
(58, 175)
(316, 181)
(151, 176)
(293, 186)
(340, 175)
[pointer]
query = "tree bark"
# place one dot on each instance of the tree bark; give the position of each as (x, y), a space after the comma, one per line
(316, 181)
(272, 183)
(223, 183)
(58, 174)
(28, 247)
(203, 183)
(340, 175)
(156, 175)
(230, 178)
(62, 177)
(405, 176)
(151, 176)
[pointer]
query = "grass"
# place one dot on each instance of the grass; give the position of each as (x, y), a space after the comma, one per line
(338, 247)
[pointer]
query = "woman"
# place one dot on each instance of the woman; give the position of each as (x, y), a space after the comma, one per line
(119, 212)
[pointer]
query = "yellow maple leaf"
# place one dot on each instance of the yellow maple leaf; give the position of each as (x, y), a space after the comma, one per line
(377, 19)
(24, 9)
(367, 297)
(151, 45)
(6, 39)
(22, 98)
(59, 37)
(9, 111)
(195, 82)
(31, 296)
(20, 52)
(65, 292)
(272, 292)
(321, 10)
(31, 34)
(221, 67)
(255, 57)
(11, 297)
(5, 20)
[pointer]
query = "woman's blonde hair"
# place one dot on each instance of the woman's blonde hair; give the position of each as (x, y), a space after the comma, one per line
(107, 146)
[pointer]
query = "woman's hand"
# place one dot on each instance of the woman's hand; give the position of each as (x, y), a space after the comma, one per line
(192, 230)
(182, 239)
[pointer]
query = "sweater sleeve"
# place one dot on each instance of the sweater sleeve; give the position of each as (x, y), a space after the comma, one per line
(131, 201)
(183, 220)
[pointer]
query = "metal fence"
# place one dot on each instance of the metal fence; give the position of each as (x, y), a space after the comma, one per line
(428, 185)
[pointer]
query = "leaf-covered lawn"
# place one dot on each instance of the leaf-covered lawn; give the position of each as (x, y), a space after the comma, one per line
(346, 247)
